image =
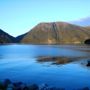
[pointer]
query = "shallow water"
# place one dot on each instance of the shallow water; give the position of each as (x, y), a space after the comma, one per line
(37, 64)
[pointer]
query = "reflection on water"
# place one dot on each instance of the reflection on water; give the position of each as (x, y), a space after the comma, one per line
(61, 60)
(56, 65)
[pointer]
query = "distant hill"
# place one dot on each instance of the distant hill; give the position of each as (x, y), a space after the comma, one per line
(6, 38)
(82, 22)
(88, 27)
(20, 37)
(56, 33)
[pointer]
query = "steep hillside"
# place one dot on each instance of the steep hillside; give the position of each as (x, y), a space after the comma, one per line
(6, 38)
(56, 33)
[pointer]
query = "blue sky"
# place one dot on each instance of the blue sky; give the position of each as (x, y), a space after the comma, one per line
(19, 16)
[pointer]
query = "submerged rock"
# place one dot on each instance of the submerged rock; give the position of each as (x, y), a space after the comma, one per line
(8, 85)
(19, 86)
(26, 88)
(86, 88)
(33, 87)
(7, 82)
(43, 87)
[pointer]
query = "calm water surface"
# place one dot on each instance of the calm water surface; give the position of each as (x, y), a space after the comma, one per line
(21, 63)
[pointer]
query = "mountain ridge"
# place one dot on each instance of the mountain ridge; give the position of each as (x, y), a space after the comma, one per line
(6, 38)
(51, 33)
(56, 32)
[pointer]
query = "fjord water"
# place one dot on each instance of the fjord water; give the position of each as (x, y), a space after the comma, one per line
(20, 63)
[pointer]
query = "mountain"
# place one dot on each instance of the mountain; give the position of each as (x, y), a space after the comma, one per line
(20, 37)
(88, 27)
(56, 33)
(6, 38)
(82, 22)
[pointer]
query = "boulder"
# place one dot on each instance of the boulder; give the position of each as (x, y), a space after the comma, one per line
(33, 87)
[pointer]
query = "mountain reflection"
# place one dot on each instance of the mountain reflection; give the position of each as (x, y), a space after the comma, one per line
(59, 60)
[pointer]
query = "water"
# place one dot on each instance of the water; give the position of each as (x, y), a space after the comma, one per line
(57, 65)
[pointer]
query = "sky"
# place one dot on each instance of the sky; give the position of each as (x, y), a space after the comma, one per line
(20, 16)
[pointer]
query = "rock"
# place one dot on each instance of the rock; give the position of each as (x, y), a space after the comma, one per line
(34, 87)
(54, 88)
(86, 88)
(10, 87)
(26, 88)
(1, 86)
(46, 87)
(6, 83)
(88, 63)
(43, 86)
(18, 86)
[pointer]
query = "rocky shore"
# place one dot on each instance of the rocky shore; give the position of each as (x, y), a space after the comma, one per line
(9, 85)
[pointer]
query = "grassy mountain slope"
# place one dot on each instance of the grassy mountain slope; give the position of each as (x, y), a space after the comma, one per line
(56, 33)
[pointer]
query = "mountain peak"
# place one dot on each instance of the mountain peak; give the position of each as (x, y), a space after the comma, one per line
(56, 32)
(62, 23)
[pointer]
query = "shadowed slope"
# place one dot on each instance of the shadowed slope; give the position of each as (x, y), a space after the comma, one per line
(20, 37)
(6, 38)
